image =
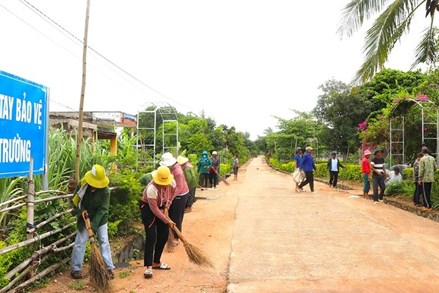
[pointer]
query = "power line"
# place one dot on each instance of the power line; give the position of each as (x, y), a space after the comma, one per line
(58, 26)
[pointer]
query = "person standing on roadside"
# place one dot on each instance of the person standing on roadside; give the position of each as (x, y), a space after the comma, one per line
(214, 169)
(235, 166)
(156, 200)
(203, 169)
(378, 176)
(365, 169)
(418, 190)
(308, 166)
(427, 168)
(333, 167)
(191, 180)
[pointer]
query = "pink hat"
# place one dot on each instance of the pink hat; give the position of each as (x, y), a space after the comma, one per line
(366, 153)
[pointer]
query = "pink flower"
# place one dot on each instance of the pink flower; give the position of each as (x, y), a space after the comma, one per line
(422, 97)
(362, 125)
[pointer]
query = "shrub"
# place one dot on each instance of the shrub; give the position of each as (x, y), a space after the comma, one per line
(394, 187)
(124, 205)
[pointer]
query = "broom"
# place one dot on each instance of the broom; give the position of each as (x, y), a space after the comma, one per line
(98, 271)
(220, 177)
(194, 254)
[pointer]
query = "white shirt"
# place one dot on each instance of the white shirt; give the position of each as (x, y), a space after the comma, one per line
(334, 165)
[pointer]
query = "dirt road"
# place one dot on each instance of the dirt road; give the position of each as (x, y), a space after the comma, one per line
(264, 237)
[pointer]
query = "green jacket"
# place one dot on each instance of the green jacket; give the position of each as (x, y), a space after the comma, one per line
(97, 204)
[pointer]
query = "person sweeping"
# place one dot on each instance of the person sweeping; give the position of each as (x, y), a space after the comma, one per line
(92, 196)
(156, 200)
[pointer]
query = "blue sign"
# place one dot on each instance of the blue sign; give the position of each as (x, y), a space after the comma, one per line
(23, 126)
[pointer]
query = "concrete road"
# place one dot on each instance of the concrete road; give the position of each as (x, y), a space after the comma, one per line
(327, 241)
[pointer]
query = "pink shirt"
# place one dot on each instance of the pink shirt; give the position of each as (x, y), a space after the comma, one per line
(159, 197)
(182, 187)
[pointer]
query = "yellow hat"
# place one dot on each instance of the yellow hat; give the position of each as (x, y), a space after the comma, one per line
(181, 160)
(97, 177)
(162, 176)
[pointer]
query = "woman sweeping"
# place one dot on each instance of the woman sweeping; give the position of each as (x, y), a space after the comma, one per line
(156, 200)
(92, 195)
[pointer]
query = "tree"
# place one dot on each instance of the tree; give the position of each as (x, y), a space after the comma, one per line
(293, 133)
(341, 112)
(390, 94)
(393, 21)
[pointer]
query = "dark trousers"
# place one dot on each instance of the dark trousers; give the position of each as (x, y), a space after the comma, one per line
(157, 234)
(213, 179)
(417, 193)
(309, 178)
(378, 181)
(176, 210)
(204, 178)
(191, 197)
(333, 176)
(426, 191)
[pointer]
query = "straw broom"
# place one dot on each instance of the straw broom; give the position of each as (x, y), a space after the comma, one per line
(220, 177)
(194, 254)
(98, 271)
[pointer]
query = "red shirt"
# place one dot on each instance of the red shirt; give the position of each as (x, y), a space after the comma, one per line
(365, 166)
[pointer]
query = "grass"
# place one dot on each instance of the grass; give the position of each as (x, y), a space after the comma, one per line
(124, 274)
(77, 285)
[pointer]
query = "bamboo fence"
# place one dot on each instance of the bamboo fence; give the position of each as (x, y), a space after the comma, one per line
(27, 272)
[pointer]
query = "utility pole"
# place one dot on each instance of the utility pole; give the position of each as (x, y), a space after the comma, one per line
(81, 103)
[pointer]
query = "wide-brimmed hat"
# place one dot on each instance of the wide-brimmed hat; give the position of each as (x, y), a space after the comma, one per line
(204, 153)
(96, 177)
(308, 148)
(167, 160)
(298, 149)
(333, 153)
(181, 160)
(377, 151)
(214, 153)
(366, 153)
(162, 176)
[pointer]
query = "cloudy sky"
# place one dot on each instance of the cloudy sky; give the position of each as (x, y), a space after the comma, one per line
(242, 62)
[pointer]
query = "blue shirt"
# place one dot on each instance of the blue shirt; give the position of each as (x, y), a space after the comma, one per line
(307, 163)
(298, 160)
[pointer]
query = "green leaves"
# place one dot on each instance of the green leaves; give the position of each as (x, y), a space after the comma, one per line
(387, 29)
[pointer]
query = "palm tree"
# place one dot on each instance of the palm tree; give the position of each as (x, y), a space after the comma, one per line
(391, 24)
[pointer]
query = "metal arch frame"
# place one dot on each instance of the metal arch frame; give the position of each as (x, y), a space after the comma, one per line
(423, 107)
(169, 117)
(160, 109)
(146, 146)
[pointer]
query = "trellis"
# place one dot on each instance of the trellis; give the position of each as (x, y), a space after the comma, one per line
(169, 116)
(429, 118)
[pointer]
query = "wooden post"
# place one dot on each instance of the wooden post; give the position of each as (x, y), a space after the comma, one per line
(30, 228)
(81, 102)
